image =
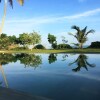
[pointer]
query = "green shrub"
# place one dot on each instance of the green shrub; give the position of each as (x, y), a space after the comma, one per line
(21, 48)
(95, 45)
(39, 46)
(64, 46)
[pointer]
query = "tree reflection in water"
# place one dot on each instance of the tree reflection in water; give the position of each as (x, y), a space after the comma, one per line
(64, 57)
(29, 60)
(81, 61)
(5, 59)
(52, 58)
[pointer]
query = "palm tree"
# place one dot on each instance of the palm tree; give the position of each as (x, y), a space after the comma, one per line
(5, 9)
(81, 35)
(81, 61)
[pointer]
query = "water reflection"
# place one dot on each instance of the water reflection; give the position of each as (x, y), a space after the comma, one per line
(81, 62)
(29, 60)
(52, 80)
(7, 58)
(64, 57)
(52, 58)
(32, 60)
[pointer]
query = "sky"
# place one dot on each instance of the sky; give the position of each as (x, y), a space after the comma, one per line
(53, 16)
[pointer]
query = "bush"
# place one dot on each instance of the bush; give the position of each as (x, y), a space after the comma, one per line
(39, 46)
(64, 46)
(95, 45)
(21, 48)
(54, 45)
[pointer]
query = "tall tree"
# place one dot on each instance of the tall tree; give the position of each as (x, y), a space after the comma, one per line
(36, 38)
(29, 39)
(81, 35)
(52, 40)
(25, 39)
(21, 2)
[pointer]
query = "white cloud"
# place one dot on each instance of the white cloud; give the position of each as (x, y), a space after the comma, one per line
(44, 20)
(84, 14)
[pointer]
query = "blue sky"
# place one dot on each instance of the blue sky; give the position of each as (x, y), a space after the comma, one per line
(53, 16)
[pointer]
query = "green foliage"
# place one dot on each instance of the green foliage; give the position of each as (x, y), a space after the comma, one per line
(4, 41)
(64, 40)
(64, 46)
(36, 38)
(95, 45)
(54, 45)
(52, 58)
(29, 39)
(29, 60)
(25, 39)
(51, 38)
(81, 35)
(12, 39)
(21, 48)
(39, 46)
(7, 58)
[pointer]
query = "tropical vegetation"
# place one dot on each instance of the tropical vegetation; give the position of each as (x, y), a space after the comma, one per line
(81, 35)
(95, 45)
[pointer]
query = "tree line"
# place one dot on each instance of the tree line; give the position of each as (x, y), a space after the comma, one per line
(81, 35)
(6, 42)
(34, 39)
(25, 39)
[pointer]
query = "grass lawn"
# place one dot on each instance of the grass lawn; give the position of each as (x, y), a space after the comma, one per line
(53, 51)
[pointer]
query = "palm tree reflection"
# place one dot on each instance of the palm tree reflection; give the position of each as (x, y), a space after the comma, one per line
(81, 61)
(5, 59)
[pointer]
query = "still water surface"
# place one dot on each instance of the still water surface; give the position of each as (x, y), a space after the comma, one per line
(54, 76)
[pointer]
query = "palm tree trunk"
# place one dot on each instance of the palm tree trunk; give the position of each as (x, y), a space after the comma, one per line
(3, 19)
(4, 76)
(80, 46)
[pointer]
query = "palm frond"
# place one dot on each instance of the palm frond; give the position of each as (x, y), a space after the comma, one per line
(76, 44)
(11, 3)
(84, 39)
(0, 1)
(90, 31)
(84, 30)
(73, 62)
(73, 35)
(90, 65)
(76, 69)
(21, 2)
(75, 27)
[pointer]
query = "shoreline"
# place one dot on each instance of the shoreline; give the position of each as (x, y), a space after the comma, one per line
(87, 51)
